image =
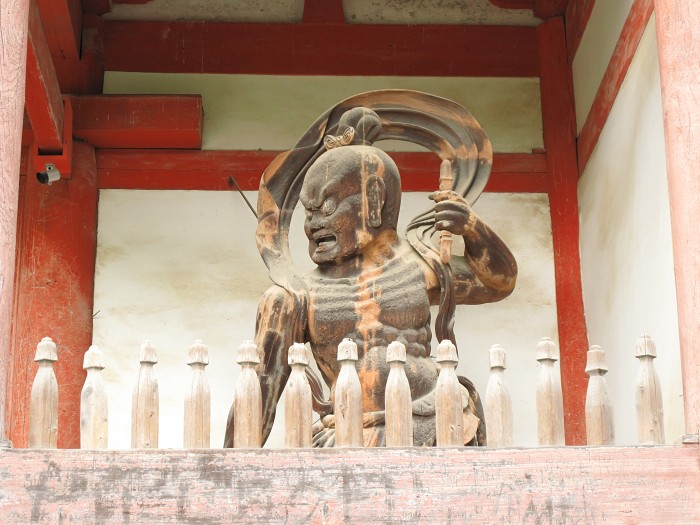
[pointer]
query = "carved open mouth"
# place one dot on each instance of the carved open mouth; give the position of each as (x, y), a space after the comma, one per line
(324, 240)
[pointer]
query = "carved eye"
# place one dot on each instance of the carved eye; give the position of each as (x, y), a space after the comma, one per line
(328, 206)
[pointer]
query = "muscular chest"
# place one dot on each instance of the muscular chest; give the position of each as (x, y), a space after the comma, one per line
(392, 298)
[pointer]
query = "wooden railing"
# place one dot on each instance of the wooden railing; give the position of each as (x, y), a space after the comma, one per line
(348, 399)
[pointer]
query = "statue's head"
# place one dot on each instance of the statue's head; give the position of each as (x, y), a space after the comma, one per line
(351, 195)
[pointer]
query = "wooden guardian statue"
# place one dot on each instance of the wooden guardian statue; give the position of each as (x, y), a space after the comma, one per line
(370, 285)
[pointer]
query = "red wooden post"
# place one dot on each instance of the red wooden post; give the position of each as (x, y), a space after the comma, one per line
(13, 35)
(559, 126)
(55, 283)
(678, 34)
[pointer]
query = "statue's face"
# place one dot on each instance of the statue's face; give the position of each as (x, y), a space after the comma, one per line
(336, 223)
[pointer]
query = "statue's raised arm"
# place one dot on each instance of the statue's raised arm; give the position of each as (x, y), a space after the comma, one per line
(370, 285)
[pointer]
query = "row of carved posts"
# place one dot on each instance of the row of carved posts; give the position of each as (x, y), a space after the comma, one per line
(348, 399)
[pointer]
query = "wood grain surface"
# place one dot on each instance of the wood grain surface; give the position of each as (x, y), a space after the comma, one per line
(420, 485)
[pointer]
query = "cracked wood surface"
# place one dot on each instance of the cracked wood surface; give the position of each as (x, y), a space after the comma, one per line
(419, 485)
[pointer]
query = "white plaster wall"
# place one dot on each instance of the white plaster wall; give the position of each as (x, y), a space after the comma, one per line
(595, 50)
(174, 266)
(626, 251)
(268, 112)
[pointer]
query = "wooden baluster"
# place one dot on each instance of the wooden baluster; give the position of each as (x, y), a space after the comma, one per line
(93, 402)
(43, 407)
(648, 399)
(198, 399)
(297, 402)
(499, 407)
(550, 406)
(397, 399)
(247, 401)
(144, 406)
(599, 413)
(449, 418)
(347, 405)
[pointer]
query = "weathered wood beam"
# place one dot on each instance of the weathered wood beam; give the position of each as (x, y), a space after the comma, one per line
(74, 42)
(545, 9)
(632, 31)
(63, 25)
(514, 4)
(559, 129)
(578, 13)
(43, 94)
(97, 7)
(323, 12)
(85, 76)
(541, 8)
(139, 121)
(320, 49)
(659, 485)
(135, 121)
(212, 170)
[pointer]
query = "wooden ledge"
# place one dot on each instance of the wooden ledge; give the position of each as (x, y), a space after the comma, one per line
(547, 485)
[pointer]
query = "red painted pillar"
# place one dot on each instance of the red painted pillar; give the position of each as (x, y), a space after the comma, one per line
(559, 126)
(13, 61)
(678, 34)
(55, 290)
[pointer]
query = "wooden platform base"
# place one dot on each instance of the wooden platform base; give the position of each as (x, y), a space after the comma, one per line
(551, 485)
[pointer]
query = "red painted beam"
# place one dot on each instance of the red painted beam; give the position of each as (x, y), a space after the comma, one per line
(55, 290)
(514, 4)
(578, 13)
(511, 173)
(75, 44)
(320, 49)
(144, 121)
(135, 121)
(626, 46)
(323, 12)
(43, 95)
(545, 9)
(559, 127)
(211, 170)
(63, 24)
(97, 7)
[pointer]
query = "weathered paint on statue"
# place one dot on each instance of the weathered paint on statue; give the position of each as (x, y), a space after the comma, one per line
(372, 286)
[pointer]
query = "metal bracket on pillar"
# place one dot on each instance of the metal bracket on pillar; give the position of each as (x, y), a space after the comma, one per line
(55, 166)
